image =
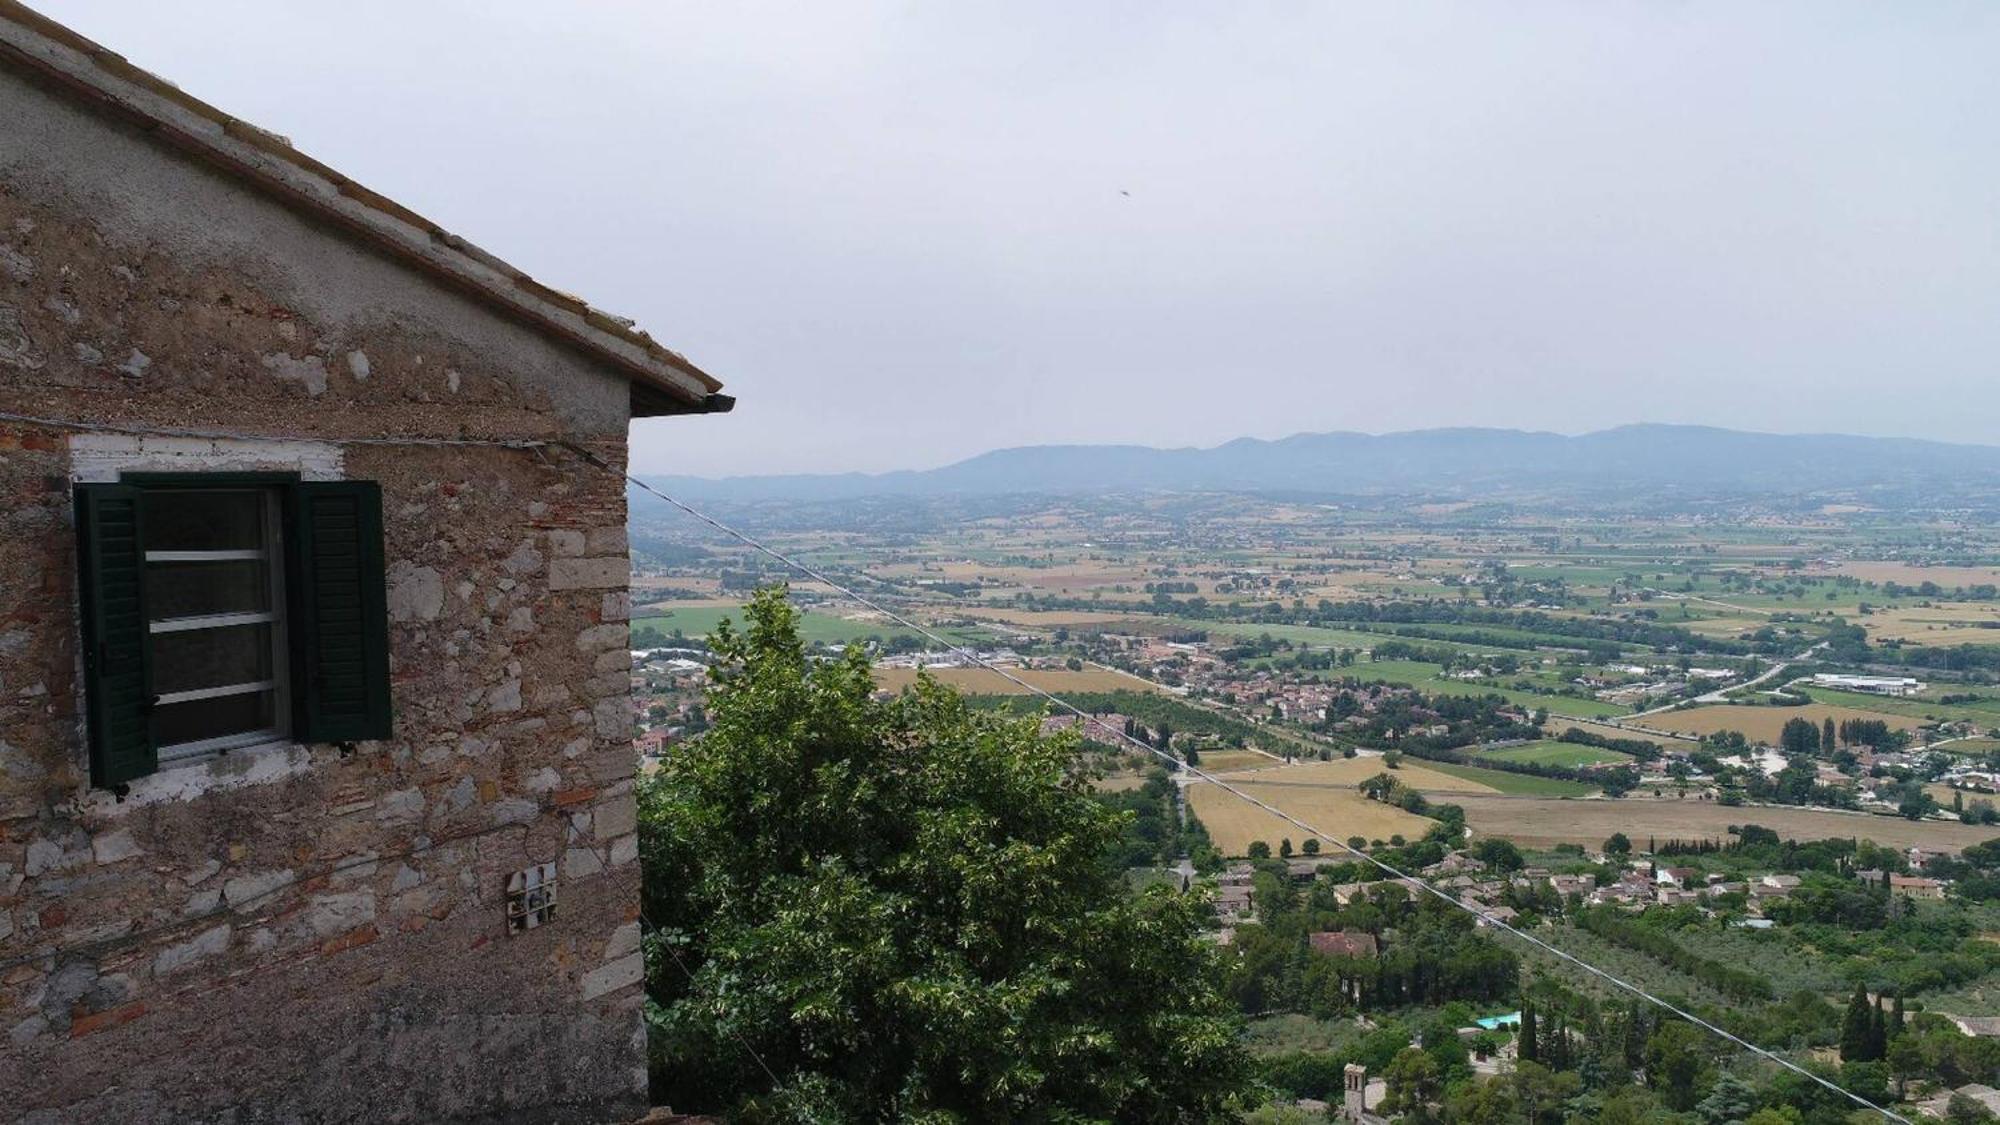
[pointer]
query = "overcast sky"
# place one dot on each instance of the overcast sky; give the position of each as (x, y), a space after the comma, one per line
(906, 233)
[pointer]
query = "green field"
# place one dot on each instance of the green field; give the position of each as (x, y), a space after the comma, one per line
(1517, 784)
(822, 628)
(1985, 712)
(1431, 678)
(1317, 637)
(1552, 753)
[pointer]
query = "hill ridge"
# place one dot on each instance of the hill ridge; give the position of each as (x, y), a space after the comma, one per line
(1457, 460)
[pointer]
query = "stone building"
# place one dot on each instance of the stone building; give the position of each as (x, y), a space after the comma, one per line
(315, 739)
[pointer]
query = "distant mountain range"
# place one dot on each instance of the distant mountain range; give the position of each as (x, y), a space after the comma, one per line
(1676, 461)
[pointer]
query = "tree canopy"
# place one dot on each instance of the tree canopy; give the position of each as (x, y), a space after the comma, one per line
(866, 910)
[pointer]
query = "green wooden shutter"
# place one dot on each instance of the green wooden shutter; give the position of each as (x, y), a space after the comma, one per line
(340, 613)
(117, 681)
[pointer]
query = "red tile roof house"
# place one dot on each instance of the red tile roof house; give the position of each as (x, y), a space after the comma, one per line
(1346, 943)
(300, 734)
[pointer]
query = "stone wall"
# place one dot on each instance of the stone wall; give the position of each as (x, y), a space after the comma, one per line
(299, 933)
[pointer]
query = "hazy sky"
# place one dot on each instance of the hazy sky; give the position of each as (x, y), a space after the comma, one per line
(902, 233)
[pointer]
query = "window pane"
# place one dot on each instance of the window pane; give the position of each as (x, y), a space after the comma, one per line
(181, 520)
(202, 658)
(193, 589)
(212, 718)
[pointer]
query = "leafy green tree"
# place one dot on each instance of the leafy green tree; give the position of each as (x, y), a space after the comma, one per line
(1618, 845)
(1285, 848)
(1907, 1060)
(1868, 1079)
(1258, 849)
(1541, 1092)
(1677, 1060)
(1380, 787)
(1730, 1100)
(1413, 1083)
(1483, 1103)
(1311, 847)
(1799, 736)
(863, 910)
(1500, 854)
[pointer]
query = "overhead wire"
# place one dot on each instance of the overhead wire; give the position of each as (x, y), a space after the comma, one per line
(1406, 879)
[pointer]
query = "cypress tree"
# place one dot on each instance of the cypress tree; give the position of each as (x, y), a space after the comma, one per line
(1826, 736)
(1635, 1036)
(1896, 1025)
(1854, 1028)
(1528, 1050)
(1878, 1032)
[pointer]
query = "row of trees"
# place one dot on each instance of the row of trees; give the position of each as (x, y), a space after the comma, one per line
(1614, 926)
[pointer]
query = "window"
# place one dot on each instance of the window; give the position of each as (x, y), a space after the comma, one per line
(222, 611)
(215, 619)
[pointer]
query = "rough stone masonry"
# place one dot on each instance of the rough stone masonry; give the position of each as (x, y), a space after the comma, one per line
(308, 932)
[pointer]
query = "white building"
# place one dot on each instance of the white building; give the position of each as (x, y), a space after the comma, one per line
(1874, 685)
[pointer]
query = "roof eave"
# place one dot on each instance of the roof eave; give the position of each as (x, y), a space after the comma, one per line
(661, 379)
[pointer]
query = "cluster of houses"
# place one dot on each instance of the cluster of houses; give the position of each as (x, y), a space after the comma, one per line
(1109, 728)
(954, 658)
(1640, 885)
(1631, 683)
(668, 688)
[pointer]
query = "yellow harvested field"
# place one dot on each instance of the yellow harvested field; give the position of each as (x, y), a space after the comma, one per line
(1907, 575)
(1950, 624)
(1350, 772)
(1542, 822)
(1557, 724)
(1724, 626)
(1762, 724)
(1226, 761)
(1233, 823)
(1119, 783)
(1049, 618)
(980, 681)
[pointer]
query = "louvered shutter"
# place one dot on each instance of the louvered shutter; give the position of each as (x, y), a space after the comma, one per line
(340, 613)
(117, 682)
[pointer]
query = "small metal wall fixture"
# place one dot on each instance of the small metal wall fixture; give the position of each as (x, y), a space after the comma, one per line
(531, 897)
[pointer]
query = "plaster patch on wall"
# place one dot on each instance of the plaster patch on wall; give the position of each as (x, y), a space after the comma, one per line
(238, 769)
(99, 458)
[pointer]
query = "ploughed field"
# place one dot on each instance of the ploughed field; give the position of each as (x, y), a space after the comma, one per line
(1347, 773)
(983, 681)
(1338, 811)
(1763, 724)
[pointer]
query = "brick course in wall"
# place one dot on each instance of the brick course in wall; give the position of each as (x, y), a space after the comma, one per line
(307, 933)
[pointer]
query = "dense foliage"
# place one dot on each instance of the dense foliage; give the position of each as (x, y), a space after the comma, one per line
(858, 911)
